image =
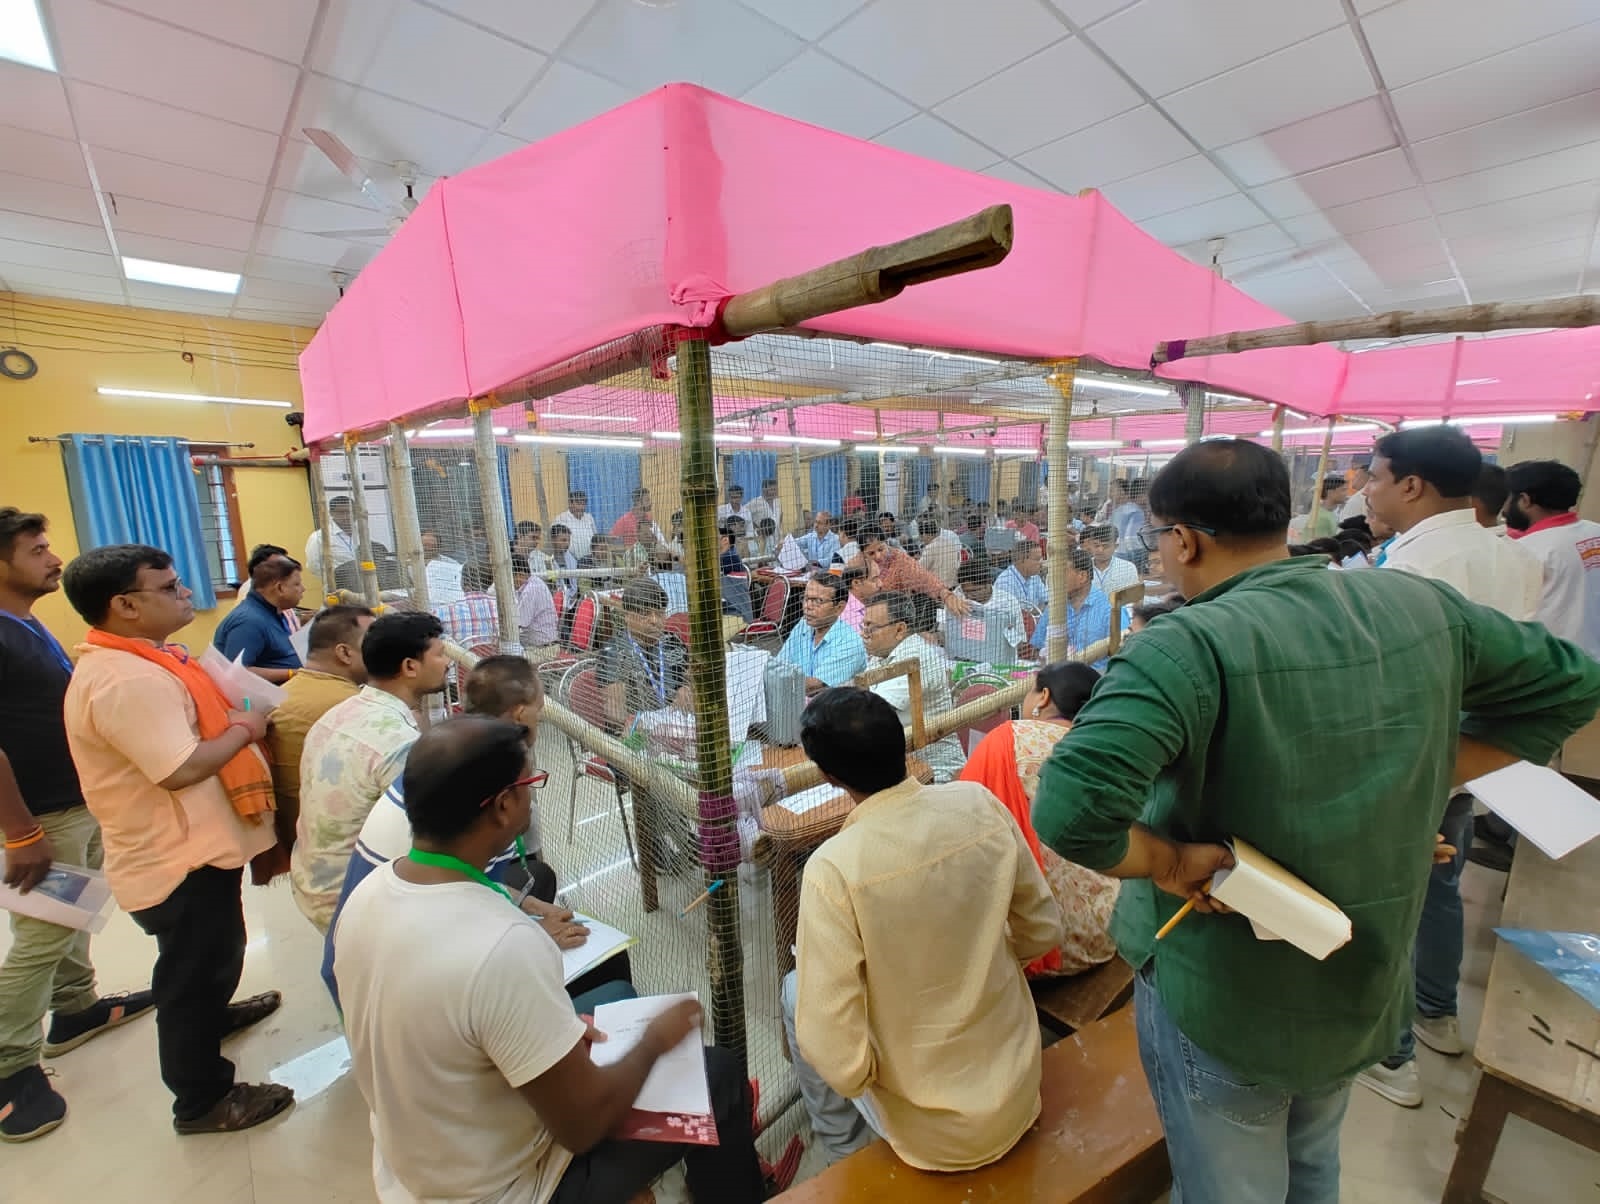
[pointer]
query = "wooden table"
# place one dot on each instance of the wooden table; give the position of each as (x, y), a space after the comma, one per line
(788, 839)
(1550, 1083)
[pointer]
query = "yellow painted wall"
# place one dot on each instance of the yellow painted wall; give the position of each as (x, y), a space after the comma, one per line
(80, 347)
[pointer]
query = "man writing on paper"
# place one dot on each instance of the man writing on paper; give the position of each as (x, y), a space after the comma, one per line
(1233, 717)
(473, 1059)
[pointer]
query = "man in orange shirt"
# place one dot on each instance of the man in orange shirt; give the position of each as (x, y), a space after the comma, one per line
(184, 799)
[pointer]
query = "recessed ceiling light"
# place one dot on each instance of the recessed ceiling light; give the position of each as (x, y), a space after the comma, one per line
(22, 37)
(152, 395)
(153, 271)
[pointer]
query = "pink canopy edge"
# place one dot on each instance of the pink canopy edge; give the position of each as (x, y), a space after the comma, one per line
(652, 213)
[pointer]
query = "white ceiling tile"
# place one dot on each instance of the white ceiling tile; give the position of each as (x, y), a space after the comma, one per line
(34, 100)
(545, 24)
(1405, 237)
(174, 250)
(171, 66)
(36, 255)
(1339, 221)
(1523, 285)
(384, 130)
(494, 146)
(143, 127)
(308, 275)
(1373, 175)
(53, 232)
(173, 184)
(446, 65)
(1566, 123)
(1013, 173)
(261, 290)
(1573, 228)
(184, 300)
(1211, 219)
(1337, 136)
(1520, 178)
(933, 139)
(565, 96)
(1239, 246)
(1507, 218)
(133, 216)
(1087, 12)
(314, 214)
(1568, 253)
(930, 49)
(54, 282)
(23, 194)
(718, 44)
(1179, 185)
(1064, 88)
(279, 29)
(818, 89)
(42, 157)
(1324, 72)
(1540, 73)
(811, 19)
(351, 35)
(316, 250)
(1419, 38)
(1113, 150)
(1166, 45)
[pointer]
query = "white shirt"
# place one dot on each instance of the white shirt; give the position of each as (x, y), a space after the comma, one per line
(538, 562)
(1569, 604)
(582, 531)
(444, 581)
(1356, 507)
(1454, 549)
(945, 757)
(440, 1044)
(726, 511)
(343, 548)
(536, 612)
(942, 556)
(761, 508)
(1118, 574)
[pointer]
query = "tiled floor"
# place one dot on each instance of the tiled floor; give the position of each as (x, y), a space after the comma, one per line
(117, 1146)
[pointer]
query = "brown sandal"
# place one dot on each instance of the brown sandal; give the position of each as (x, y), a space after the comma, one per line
(242, 1014)
(245, 1106)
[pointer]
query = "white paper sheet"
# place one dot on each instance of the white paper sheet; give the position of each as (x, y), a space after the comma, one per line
(1542, 805)
(677, 1082)
(810, 800)
(604, 942)
(70, 895)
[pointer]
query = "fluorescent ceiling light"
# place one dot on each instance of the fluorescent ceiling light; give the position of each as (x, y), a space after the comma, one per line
(801, 440)
(153, 271)
(588, 417)
(1093, 444)
(455, 432)
(1122, 386)
(888, 449)
(581, 441)
(874, 434)
(963, 451)
(1343, 428)
(715, 438)
(1163, 443)
(1017, 451)
(152, 395)
(22, 37)
(1485, 420)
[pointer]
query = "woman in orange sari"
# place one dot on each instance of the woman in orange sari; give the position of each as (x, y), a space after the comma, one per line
(1007, 761)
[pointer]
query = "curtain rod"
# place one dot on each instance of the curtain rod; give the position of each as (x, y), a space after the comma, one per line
(103, 438)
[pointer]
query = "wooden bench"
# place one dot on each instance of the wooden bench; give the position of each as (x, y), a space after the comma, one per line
(1067, 1004)
(1097, 1141)
(1539, 1042)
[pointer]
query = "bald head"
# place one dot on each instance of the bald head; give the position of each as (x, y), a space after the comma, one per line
(455, 767)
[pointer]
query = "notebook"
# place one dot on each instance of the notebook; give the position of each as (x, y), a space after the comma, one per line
(674, 1104)
(604, 942)
(1279, 906)
(69, 895)
(1541, 805)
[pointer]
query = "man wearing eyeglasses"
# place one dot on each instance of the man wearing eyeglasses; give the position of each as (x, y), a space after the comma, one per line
(828, 651)
(887, 631)
(1233, 717)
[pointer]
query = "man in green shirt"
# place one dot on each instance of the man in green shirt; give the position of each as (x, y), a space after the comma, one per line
(1323, 717)
(1335, 493)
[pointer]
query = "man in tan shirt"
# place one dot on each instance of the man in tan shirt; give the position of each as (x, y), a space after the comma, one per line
(183, 798)
(938, 1053)
(333, 672)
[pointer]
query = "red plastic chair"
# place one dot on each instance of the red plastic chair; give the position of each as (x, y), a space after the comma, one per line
(1030, 622)
(678, 625)
(776, 602)
(580, 693)
(972, 733)
(584, 621)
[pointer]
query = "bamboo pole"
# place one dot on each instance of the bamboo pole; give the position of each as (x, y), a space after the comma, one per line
(538, 490)
(403, 506)
(1489, 315)
(876, 274)
(1277, 430)
(496, 525)
(1058, 454)
(358, 504)
(990, 376)
(324, 519)
(717, 812)
(1194, 417)
(1322, 472)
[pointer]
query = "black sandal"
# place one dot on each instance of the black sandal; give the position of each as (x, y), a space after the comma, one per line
(245, 1012)
(245, 1106)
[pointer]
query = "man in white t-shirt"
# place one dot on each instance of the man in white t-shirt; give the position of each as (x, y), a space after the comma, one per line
(342, 541)
(768, 505)
(473, 1060)
(1543, 518)
(1111, 572)
(578, 522)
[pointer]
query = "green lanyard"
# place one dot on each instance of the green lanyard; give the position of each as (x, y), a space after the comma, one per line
(445, 861)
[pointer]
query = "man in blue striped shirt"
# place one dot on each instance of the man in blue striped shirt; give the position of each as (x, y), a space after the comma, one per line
(829, 652)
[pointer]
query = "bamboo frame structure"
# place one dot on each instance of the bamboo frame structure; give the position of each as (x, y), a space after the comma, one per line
(496, 524)
(324, 520)
(1193, 397)
(1322, 475)
(1565, 313)
(911, 670)
(358, 506)
(403, 508)
(1058, 455)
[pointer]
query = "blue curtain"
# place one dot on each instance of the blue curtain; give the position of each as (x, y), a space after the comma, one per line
(829, 476)
(749, 468)
(974, 477)
(505, 491)
(129, 489)
(915, 472)
(609, 478)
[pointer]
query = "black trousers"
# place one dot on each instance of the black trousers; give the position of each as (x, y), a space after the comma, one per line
(199, 931)
(729, 1173)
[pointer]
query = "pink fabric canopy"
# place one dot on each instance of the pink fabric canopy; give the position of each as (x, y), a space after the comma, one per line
(653, 213)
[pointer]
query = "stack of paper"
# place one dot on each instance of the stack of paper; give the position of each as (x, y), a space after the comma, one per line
(811, 799)
(675, 1102)
(1278, 905)
(1541, 805)
(70, 895)
(604, 942)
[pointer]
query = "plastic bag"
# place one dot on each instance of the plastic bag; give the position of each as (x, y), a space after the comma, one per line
(238, 683)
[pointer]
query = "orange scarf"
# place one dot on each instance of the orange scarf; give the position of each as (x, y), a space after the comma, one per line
(245, 777)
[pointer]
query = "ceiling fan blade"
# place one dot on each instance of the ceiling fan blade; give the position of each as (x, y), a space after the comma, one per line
(341, 156)
(368, 232)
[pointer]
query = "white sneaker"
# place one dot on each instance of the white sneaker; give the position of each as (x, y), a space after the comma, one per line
(1442, 1034)
(1402, 1085)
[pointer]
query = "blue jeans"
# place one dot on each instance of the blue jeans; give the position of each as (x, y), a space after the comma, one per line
(1441, 937)
(1231, 1141)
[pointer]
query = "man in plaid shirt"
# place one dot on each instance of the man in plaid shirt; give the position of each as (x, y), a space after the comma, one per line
(472, 619)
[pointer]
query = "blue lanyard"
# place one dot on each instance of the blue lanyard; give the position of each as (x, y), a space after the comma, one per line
(44, 637)
(658, 680)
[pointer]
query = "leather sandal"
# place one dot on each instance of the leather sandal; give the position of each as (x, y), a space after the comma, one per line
(245, 1106)
(245, 1012)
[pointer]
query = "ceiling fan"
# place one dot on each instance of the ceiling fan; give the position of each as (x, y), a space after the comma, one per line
(383, 196)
